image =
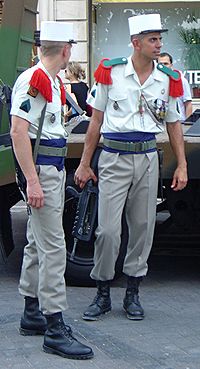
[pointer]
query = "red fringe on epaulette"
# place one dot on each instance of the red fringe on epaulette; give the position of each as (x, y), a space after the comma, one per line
(42, 83)
(62, 91)
(103, 74)
(176, 86)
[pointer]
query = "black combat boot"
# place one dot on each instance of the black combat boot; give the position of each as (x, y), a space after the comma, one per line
(33, 321)
(58, 339)
(131, 301)
(101, 303)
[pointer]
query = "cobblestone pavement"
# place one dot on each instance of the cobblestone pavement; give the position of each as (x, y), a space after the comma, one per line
(168, 337)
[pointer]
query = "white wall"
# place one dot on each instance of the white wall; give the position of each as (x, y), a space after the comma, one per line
(70, 11)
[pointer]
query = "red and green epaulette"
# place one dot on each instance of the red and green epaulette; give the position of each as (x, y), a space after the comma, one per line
(103, 72)
(42, 83)
(175, 81)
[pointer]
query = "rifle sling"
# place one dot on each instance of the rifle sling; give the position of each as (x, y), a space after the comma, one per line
(37, 142)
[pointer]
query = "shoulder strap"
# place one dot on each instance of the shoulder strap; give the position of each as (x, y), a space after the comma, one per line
(74, 104)
(103, 71)
(174, 74)
(115, 61)
(175, 81)
(37, 142)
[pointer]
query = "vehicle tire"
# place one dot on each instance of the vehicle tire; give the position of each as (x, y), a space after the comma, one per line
(79, 267)
(183, 207)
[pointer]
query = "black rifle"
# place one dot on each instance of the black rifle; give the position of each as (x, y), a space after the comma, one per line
(86, 212)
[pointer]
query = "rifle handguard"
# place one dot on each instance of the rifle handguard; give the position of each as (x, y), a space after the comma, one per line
(86, 212)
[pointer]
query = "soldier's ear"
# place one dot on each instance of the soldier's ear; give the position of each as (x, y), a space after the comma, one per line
(65, 49)
(135, 42)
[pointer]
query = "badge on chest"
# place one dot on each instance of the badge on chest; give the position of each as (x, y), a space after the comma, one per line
(52, 118)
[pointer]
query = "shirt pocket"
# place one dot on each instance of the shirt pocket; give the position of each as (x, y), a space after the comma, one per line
(53, 114)
(118, 104)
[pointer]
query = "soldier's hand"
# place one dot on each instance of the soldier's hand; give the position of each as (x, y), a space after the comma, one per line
(35, 194)
(83, 174)
(180, 178)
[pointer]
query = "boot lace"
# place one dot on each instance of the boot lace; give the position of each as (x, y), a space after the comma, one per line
(67, 331)
(97, 300)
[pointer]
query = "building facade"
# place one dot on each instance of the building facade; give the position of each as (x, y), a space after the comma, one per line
(76, 11)
(101, 28)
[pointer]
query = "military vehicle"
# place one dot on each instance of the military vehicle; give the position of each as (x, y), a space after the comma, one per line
(178, 213)
(17, 25)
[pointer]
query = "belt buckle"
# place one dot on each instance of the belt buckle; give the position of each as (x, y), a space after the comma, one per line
(129, 146)
(57, 152)
(64, 151)
(138, 146)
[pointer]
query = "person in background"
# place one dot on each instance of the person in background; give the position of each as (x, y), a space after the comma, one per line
(184, 101)
(42, 281)
(77, 88)
(132, 100)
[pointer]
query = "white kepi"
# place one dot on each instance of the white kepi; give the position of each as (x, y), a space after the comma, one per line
(145, 23)
(57, 31)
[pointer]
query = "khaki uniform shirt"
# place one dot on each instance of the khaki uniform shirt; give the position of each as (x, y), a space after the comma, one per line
(29, 108)
(121, 101)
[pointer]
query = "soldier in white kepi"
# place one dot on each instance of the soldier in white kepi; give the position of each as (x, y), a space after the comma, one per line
(132, 100)
(38, 97)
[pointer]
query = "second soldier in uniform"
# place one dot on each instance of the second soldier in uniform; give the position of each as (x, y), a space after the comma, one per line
(131, 102)
(42, 280)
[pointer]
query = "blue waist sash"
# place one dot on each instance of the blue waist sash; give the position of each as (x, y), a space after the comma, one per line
(57, 161)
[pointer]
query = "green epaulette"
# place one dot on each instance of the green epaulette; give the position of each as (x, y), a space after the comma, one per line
(170, 72)
(115, 61)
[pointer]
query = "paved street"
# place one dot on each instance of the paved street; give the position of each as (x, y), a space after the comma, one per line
(168, 338)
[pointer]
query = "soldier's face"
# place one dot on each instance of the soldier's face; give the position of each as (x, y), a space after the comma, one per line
(150, 45)
(165, 61)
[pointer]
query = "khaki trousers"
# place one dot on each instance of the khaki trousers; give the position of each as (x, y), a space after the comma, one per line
(44, 260)
(128, 181)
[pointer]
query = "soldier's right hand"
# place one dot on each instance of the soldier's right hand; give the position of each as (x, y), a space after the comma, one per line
(83, 174)
(35, 194)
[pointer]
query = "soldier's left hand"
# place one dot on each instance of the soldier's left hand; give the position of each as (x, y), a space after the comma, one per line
(180, 179)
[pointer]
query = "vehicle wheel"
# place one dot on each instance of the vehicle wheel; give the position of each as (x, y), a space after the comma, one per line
(183, 207)
(79, 267)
